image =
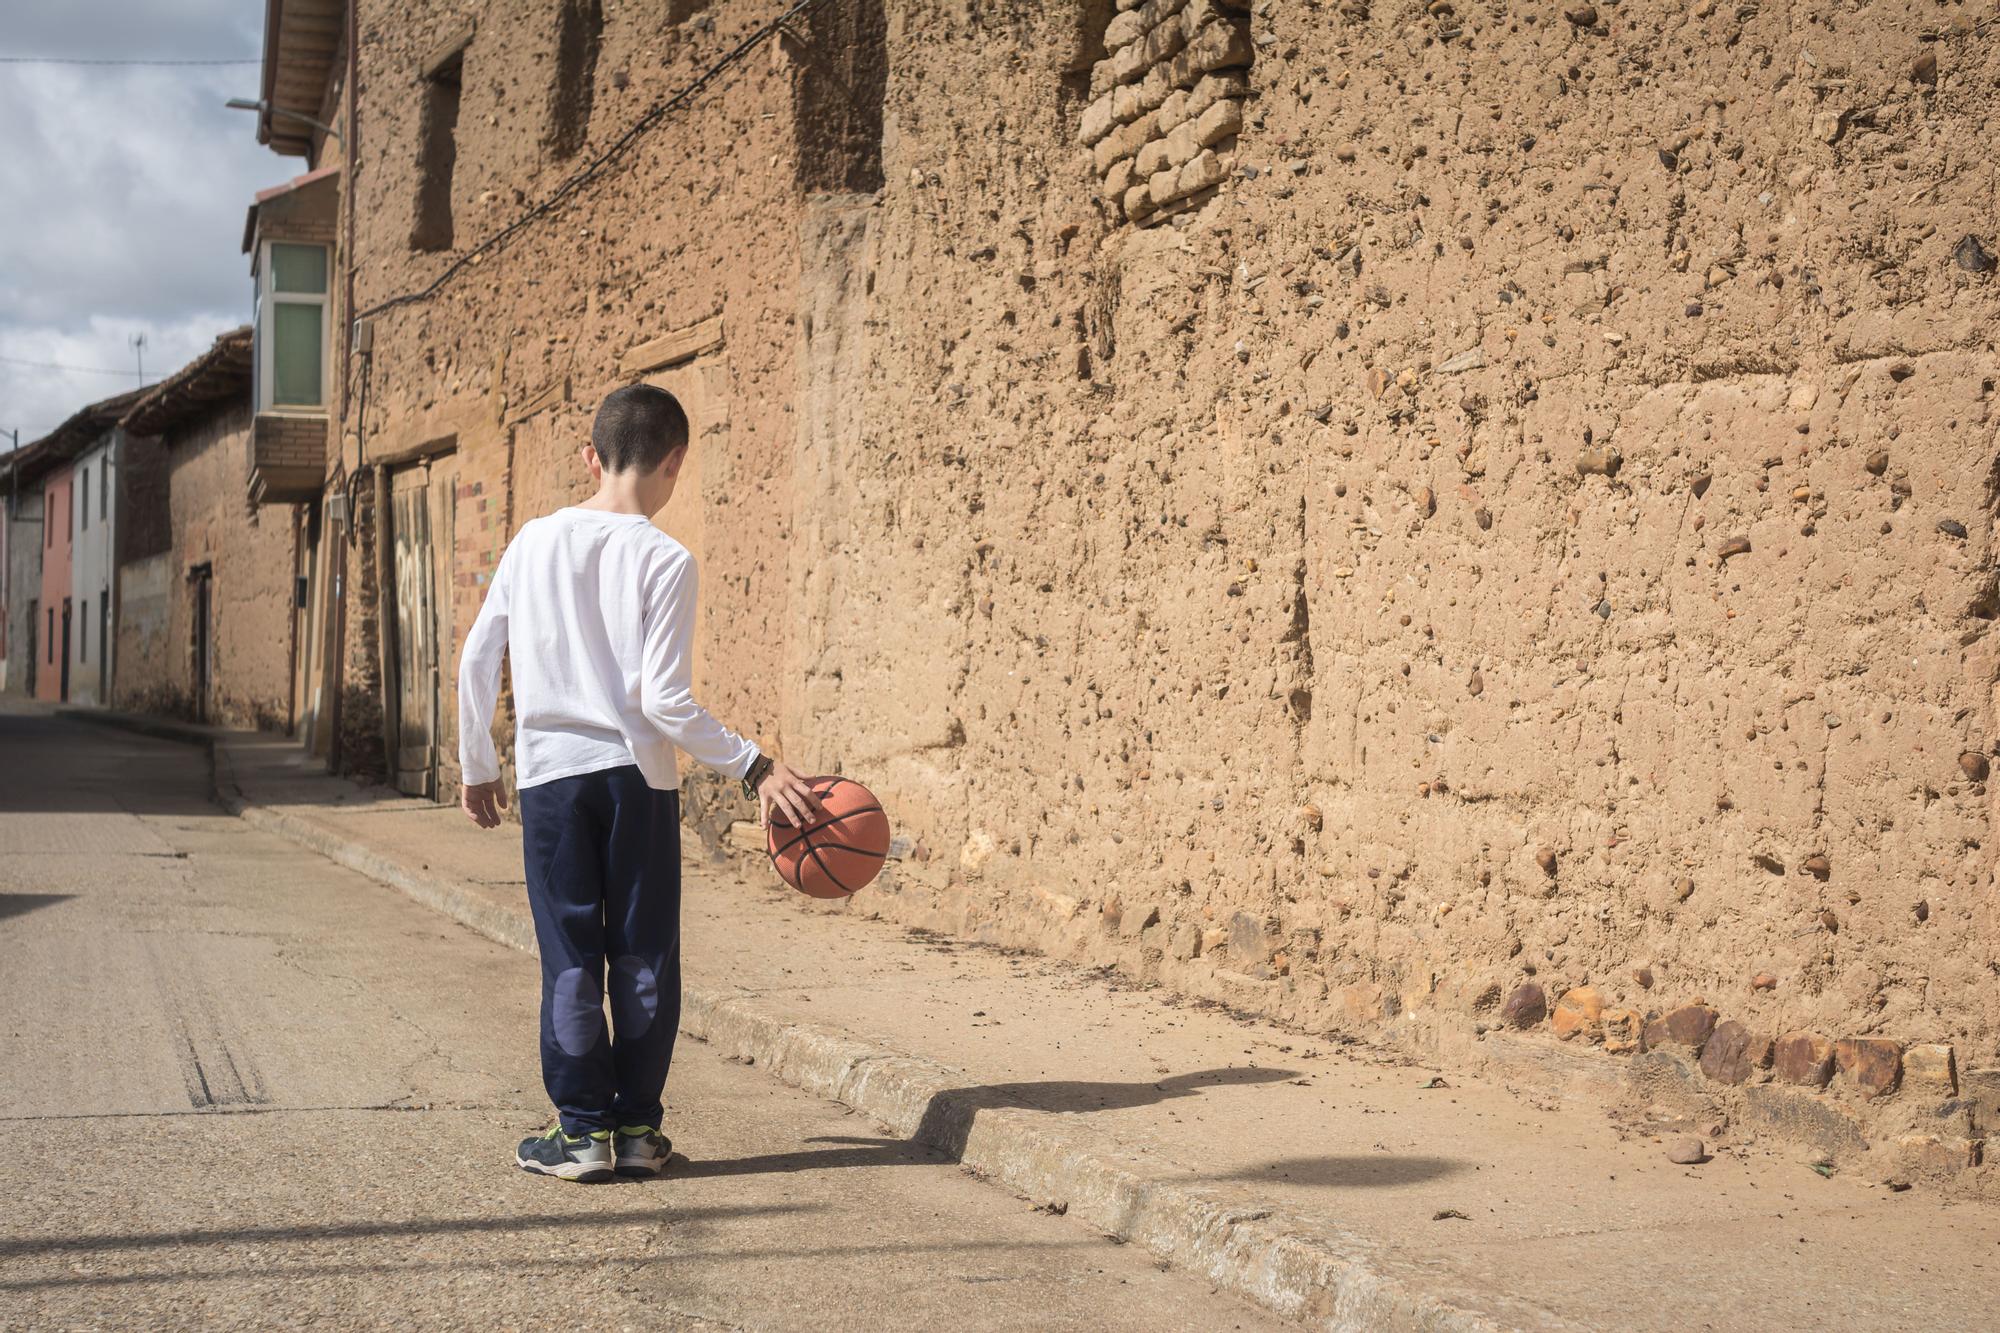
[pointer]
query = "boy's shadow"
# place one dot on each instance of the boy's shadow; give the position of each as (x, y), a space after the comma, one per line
(947, 1121)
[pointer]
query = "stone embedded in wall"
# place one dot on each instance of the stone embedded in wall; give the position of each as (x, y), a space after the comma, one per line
(1981, 1089)
(1871, 1065)
(1624, 1031)
(1169, 103)
(1526, 1006)
(1803, 1058)
(1733, 1054)
(1930, 1069)
(1578, 1013)
(1688, 1026)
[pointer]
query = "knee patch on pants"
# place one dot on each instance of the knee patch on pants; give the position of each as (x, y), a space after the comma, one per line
(577, 1011)
(635, 995)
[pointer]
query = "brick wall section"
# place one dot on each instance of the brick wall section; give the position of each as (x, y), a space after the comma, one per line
(1169, 104)
(287, 447)
(142, 500)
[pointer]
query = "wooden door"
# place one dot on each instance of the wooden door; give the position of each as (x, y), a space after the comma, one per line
(415, 760)
(442, 493)
(201, 577)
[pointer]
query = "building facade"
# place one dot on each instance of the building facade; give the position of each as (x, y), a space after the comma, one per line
(78, 498)
(93, 561)
(59, 618)
(20, 576)
(1372, 520)
(207, 628)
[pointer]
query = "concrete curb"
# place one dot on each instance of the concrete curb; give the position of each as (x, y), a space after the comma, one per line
(1293, 1266)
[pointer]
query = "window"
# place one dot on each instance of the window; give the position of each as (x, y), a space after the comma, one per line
(437, 151)
(104, 487)
(83, 499)
(291, 326)
(51, 640)
(83, 634)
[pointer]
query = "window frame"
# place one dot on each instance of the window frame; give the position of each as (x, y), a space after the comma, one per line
(268, 299)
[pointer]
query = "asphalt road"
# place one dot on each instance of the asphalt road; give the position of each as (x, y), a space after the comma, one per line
(244, 1087)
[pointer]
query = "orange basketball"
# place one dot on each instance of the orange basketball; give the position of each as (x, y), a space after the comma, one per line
(842, 852)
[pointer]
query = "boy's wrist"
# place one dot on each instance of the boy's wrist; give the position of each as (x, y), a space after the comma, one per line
(759, 769)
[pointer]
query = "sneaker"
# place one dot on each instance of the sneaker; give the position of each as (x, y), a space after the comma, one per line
(642, 1150)
(585, 1158)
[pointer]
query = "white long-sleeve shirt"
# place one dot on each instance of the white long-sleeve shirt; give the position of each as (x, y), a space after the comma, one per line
(596, 614)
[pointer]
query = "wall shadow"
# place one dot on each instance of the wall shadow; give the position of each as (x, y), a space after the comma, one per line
(20, 904)
(1353, 1171)
(947, 1122)
(428, 1226)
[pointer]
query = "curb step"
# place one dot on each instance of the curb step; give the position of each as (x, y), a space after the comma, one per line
(1322, 1277)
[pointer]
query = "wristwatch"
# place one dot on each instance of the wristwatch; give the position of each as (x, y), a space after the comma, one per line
(759, 769)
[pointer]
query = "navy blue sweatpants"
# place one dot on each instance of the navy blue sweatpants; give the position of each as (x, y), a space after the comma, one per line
(603, 856)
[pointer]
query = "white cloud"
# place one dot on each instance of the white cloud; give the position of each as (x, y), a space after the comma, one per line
(126, 189)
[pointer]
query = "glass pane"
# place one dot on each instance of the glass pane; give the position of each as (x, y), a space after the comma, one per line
(298, 268)
(295, 354)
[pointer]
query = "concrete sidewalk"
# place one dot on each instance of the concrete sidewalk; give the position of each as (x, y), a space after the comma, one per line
(1336, 1186)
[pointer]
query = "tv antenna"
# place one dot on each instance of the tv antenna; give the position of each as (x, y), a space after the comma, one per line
(138, 341)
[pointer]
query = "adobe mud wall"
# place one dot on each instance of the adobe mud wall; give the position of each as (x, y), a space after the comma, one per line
(1508, 546)
(1530, 526)
(249, 552)
(678, 265)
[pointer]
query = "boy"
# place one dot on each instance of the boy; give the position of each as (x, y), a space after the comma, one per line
(595, 607)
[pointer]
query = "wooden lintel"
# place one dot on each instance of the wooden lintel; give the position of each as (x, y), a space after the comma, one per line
(555, 391)
(448, 49)
(671, 348)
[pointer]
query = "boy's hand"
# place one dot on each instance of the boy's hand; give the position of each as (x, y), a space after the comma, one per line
(783, 794)
(483, 802)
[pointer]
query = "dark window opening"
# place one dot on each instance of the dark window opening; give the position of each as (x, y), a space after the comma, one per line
(579, 33)
(837, 109)
(437, 154)
(83, 634)
(52, 636)
(83, 502)
(104, 488)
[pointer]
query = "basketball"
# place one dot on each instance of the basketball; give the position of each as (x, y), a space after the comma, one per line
(842, 852)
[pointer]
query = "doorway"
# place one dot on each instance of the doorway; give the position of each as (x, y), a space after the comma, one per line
(201, 583)
(422, 533)
(104, 649)
(63, 694)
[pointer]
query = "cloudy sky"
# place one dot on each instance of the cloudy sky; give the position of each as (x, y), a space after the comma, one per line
(124, 190)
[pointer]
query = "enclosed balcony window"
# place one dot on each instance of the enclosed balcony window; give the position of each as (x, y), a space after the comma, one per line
(291, 326)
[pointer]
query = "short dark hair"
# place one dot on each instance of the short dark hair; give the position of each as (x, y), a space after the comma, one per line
(638, 427)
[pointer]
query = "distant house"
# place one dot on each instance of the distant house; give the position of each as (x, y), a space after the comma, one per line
(207, 627)
(87, 493)
(20, 571)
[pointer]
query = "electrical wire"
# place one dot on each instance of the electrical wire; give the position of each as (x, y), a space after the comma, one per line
(54, 365)
(69, 60)
(597, 164)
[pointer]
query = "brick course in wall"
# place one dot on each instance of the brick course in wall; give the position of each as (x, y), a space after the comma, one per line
(1162, 130)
